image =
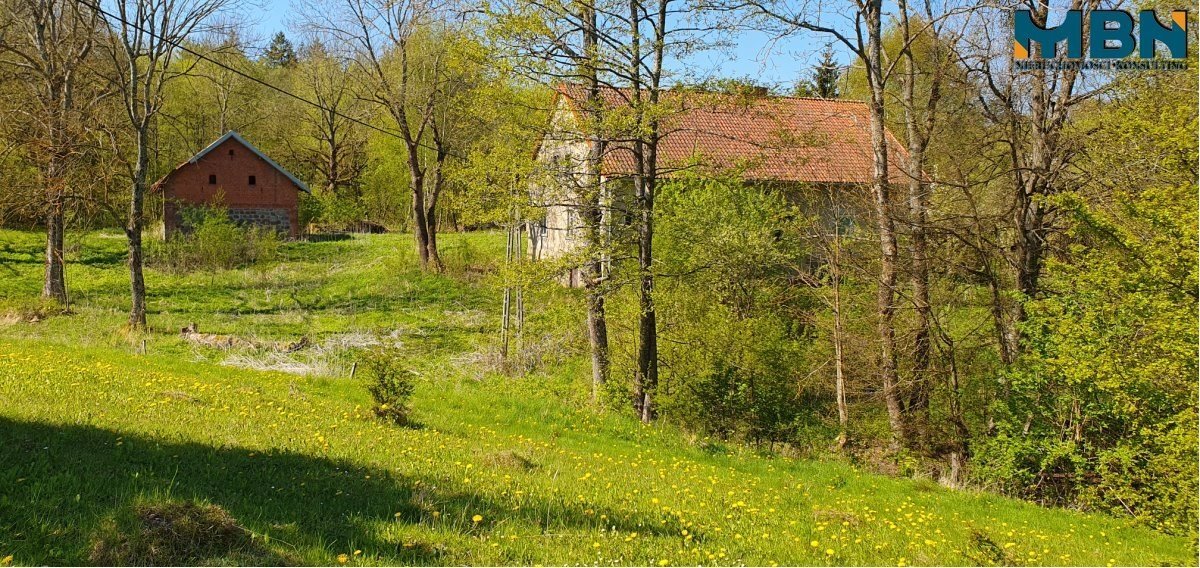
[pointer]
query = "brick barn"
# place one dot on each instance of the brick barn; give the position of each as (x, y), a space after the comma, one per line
(231, 172)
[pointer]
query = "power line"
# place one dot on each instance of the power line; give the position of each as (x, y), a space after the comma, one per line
(180, 46)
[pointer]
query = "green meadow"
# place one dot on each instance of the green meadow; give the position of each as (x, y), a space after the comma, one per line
(500, 468)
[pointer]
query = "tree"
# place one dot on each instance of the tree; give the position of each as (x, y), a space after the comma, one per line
(1101, 411)
(51, 43)
(337, 149)
(145, 36)
(864, 39)
(827, 75)
(214, 93)
(1029, 110)
(280, 54)
(558, 41)
(406, 52)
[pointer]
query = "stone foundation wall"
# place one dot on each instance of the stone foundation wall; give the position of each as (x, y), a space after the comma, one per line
(274, 218)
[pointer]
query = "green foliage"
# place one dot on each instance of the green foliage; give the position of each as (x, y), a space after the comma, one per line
(1101, 410)
(390, 384)
(730, 310)
(280, 52)
(335, 212)
(212, 241)
(825, 80)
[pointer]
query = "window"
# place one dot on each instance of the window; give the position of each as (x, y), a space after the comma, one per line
(252, 180)
(212, 179)
(231, 153)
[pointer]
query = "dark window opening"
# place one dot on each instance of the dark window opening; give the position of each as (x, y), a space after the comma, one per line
(231, 152)
(252, 180)
(212, 179)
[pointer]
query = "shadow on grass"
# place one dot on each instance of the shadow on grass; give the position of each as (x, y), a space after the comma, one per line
(61, 482)
(59, 485)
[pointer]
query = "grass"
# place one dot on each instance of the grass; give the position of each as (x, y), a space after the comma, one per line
(503, 470)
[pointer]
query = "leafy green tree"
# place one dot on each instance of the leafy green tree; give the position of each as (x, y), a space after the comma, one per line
(731, 312)
(1102, 410)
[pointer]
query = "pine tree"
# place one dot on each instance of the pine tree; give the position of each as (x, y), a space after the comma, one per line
(826, 75)
(280, 53)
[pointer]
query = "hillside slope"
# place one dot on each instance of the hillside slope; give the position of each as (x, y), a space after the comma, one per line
(502, 470)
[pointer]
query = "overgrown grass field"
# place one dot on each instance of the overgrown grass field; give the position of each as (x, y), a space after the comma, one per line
(502, 468)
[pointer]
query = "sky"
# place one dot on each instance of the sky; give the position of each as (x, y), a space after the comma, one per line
(752, 56)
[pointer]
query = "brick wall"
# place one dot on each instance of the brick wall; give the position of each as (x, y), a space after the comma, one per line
(271, 200)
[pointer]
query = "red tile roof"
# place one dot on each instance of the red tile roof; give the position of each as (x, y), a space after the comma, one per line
(773, 138)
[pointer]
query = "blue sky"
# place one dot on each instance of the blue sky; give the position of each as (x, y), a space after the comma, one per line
(752, 55)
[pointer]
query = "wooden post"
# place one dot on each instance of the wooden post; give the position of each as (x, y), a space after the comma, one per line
(504, 318)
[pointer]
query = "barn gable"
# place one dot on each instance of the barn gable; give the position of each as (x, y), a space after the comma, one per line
(233, 135)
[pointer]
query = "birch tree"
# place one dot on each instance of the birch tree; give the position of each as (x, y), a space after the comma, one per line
(862, 35)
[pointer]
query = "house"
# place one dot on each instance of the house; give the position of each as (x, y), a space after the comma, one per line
(802, 146)
(234, 174)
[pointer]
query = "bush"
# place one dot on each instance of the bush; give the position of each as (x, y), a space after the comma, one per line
(215, 242)
(332, 212)
(1101, 409)
(390, 385)
(733, 320)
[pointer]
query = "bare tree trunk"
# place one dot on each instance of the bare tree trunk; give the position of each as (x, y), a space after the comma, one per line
(881, 194)
(593, 214)
(1006, 335)
(133, 232)
(645, 150)
(918, 130)
(431, 246)
(647, 358)
(431, 205)
(835, 274)
(420, 229)
(54, 285)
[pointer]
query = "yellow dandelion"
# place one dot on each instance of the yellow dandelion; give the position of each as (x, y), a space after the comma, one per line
(342, 559)
(477, 518)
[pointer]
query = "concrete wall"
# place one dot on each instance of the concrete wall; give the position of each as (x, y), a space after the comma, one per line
(555, 185)
(271, 201)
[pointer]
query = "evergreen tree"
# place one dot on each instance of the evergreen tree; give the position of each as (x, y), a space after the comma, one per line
(823, 83)
(826, 75)
(280, 54)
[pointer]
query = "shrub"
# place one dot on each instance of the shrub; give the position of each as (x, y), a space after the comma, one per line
(734, 318)
(390, 385)
(1101, 408)
(215, 242)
